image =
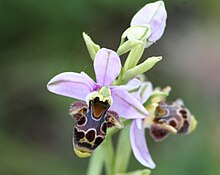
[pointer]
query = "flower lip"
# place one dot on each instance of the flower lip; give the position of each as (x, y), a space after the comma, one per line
(82, 153)
(91, 125)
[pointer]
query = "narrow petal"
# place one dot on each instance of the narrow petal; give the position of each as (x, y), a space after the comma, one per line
(132, 86)
(72, 85)
(126, 105)
(107, 65)
(139, 123)
(139, 146)
(145, 91)
(153, 14)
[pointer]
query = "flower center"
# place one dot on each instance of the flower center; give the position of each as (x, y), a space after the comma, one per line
(98, 107)
(103, 95)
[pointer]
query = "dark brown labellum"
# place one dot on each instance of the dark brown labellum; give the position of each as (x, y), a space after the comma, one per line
(158, 133)
(170, 117)
(91, 124)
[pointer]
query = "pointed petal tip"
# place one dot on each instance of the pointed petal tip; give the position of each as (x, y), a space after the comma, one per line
(84, 34)
(139, 146)
(151, 165)
(160, 2)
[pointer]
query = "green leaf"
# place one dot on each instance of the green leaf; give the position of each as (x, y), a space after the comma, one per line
(91, 46)
(123, 151)
(141, 68)
(127, 46)
(134, 56)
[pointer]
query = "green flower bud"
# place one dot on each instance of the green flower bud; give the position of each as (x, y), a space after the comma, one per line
(91, 46)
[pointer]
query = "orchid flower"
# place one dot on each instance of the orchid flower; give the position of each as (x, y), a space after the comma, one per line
(164, 118)
(107, 66)
(100, 97)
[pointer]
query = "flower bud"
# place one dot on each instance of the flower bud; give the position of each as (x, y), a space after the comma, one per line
(155, 15)
(91, 46)
(137, 32)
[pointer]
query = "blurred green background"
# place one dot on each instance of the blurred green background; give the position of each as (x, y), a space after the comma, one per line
(39, 39)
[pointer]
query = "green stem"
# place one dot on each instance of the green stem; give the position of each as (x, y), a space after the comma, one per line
(104, 154)
(131, 61)
(96, 162)
(123, 151)
(109, 156)
(134, 56)
(127, 46)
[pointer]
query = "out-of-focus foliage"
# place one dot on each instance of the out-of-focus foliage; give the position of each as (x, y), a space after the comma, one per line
(39, 39)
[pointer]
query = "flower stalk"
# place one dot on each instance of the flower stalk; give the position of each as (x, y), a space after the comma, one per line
(134, 56)
(123, 151)
(96, 162)
(109, 156)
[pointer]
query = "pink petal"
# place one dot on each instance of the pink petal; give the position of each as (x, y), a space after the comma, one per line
(107, 65)
(139, 146)
(158, 32)
(126, 105)
(72, 85)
